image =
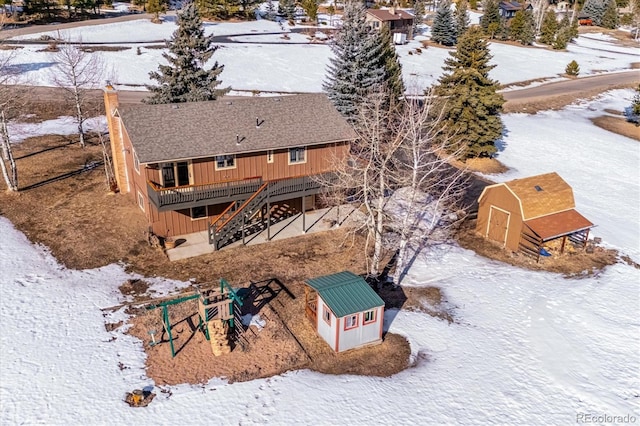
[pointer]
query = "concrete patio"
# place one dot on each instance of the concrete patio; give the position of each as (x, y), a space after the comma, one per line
(197, 244)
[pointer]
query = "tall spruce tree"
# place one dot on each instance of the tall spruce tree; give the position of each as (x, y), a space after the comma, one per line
(461, 17)
(394, 86)
(443, 30)
(610, 18)
(522, 28)
(185, 79)
(491, 15)
(361, 63)
(418, 12)
(549, 27)
(594, 9)
(472, 104)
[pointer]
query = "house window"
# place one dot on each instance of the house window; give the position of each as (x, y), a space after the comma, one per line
(376, 24)
(297, 155)
(198, 212)
(351, 322)
(369, 316)
(140, 200)
(326, 315)
(225, 162)
(136, 162)
(269, 156)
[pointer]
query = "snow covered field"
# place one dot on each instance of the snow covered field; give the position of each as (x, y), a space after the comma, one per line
(302, 67)
(526, 348)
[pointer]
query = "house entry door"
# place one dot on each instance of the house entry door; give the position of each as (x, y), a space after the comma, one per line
(175, 174)
(183, 173)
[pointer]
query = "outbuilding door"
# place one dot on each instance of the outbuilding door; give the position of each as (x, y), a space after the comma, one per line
(498, 226)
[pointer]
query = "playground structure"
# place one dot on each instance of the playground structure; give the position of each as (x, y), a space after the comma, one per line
(217, 311)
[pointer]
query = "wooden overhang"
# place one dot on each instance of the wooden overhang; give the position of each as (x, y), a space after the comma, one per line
(557, 225)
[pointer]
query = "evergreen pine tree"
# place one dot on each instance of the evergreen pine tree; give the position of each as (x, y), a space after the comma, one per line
(549, 27)
(562, 38)
(443, 30)
(156, 7)
(357, 67)
(287, 9)
(610, 18)
(572, 69)
(522, 28)
(418, 12)
(516, 27)
(391, 63)
(635, 105)
(573, 28)
(185, 79)
(595, 10)
(472, 104)
(461, 17)
(491, 16)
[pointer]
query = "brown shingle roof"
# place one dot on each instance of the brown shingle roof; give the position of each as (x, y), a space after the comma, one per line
(205, 129)
(558, 224)
(385, 15)
(554, 195)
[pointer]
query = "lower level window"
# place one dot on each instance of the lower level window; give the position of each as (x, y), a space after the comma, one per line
(140, 200)
(351, 322)
(199, 212)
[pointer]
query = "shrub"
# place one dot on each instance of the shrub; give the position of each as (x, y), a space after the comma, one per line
(572, 69)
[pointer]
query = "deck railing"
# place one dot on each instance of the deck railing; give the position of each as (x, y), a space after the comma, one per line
(169, 197)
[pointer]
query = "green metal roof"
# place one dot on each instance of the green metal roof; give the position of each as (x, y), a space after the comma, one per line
(345, 293)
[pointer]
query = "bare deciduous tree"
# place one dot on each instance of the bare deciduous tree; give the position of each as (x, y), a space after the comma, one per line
(77, 72)
(8, 108)
(400, 171)
(428, 204)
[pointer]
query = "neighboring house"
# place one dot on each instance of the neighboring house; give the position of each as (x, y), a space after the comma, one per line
(508, 9)
(225, 166)
(344, 310)
(524, 214)
(398, 21)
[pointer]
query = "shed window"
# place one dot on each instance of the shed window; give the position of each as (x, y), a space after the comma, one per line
(351, 322)
(297, 155)
(538, 188)
(225, 162)
(370, 316)
(326, 315)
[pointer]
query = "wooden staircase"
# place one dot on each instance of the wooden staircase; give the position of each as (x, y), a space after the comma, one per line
(244, 218)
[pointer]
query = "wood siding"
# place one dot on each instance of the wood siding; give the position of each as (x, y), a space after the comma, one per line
(318, 159)
(501, 198)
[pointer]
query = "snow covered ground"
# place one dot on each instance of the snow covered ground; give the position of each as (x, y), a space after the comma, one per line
(302, 68)
(526, 348)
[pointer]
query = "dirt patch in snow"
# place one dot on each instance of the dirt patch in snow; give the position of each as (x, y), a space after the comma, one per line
(574, 262)
(618, 125)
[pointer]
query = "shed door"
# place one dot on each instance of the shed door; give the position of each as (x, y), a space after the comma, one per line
(498, 225)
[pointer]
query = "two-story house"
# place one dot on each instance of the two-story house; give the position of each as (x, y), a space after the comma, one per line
(398, 21)
(225, 165)
(508, 9)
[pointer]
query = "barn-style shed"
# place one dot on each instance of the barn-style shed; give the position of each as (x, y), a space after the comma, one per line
(525, 214)
(344, 310)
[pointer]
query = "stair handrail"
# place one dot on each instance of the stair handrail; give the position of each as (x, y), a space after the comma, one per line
(225, 211)
(255, 194)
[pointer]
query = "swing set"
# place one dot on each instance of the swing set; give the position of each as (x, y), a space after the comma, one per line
(214, 306)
